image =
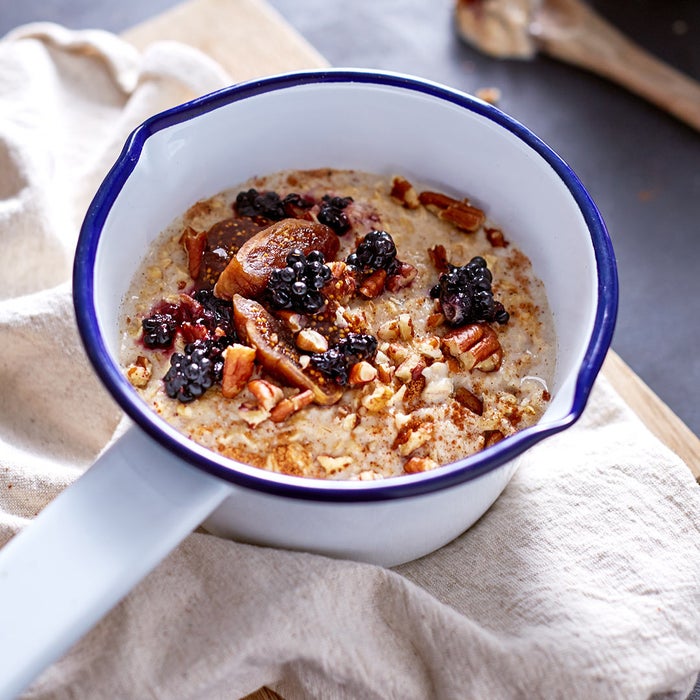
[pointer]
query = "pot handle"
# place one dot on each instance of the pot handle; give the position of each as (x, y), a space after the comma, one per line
(91, 545)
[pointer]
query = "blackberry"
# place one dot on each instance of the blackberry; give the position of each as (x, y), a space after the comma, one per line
(192, 320)
(292, 202)
(465, 294)
(336, 362)
(254, 203)
(196, 369)
(218, 313)
(191, 373)
(297, 286)
(332, 364)
(332, 215)
(358, 346)
(376, 251)
(159, 330)
(270, 205)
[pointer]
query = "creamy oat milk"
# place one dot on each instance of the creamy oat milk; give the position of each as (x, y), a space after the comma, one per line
(339, 325)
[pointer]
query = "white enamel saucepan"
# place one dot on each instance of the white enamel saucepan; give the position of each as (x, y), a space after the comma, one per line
(90, 546)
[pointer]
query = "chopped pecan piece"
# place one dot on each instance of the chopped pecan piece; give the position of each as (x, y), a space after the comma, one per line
(438, 256)
(378, 399)
(369, 475)
(464, 217)
(267, 394)
(253, 416)
(406, 326)
(332, 465)
(403, 278)
(342, 285)
(396, 353)
(411, 436)
(311, 341)
(362, 373)
(469, 400)
(404, 193)
(286, 407)
(496, 238)
(388, 330)
(373, 285)
(436, 201)
(476, 346)
(411, 368)
(491, 437)
(461, 214)
(293, 320)
(194, 243)
(438, 384)
(434, 320)
(239, 364)
(139, 373)
(416, 465)
(385, 373)
(430, 347)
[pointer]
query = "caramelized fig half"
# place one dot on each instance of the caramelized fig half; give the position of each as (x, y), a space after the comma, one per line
(248, 272)
(275, 350)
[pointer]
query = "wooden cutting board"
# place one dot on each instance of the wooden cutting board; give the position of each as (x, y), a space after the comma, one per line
(250, 39)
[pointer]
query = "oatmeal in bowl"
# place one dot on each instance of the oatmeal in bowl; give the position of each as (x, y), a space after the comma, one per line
(338, 324)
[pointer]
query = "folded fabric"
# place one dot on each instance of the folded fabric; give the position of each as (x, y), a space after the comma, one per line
(582, 581)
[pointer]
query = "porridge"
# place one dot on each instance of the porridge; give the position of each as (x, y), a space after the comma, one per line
(340, 325)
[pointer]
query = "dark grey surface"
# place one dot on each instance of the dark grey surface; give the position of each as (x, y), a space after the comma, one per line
(641, 166)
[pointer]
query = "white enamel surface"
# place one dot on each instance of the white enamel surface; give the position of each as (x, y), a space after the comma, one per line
(386, 533)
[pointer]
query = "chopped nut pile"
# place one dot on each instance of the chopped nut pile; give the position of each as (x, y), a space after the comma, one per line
(337, 324)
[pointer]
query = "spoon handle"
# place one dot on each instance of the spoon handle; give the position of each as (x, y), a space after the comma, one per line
(571, 31)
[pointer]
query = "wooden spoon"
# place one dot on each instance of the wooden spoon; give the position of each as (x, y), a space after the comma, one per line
(569, 30)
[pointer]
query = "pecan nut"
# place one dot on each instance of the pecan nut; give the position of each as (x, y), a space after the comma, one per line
(410, 437)
(416, 465)
(438, 256)
(459, 213)
(333, 465)
(239, 364)
(469, 400)
(403, 278)
(495, 237)
(362, 373)
(373, 285)
(293, 320)
(342, 284)
(310, 340)
(194, 243)
(286, 407)
(139, 372)
(268, 395)
(476, 346)
(404, 193)
(491, 437)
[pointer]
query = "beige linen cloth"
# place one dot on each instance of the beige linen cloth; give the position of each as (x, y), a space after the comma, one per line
(582, 581)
